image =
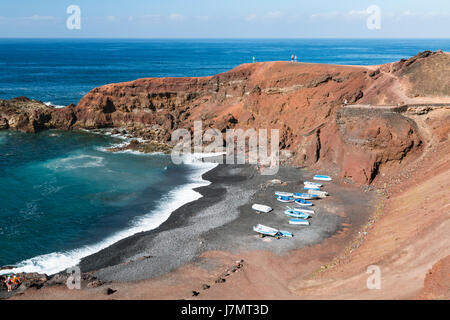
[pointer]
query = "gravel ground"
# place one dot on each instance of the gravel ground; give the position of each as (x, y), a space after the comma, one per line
(223, 219)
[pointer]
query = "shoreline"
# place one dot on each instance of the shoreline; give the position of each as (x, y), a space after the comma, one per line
(178, 197)
(222, 220)
(205, 237)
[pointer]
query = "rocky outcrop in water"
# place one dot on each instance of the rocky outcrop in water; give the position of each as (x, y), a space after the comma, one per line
(23, 114)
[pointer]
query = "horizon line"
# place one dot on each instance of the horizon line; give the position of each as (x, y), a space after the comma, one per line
(224, 38)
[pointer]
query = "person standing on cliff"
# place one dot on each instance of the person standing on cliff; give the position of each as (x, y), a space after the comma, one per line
(295, 59)
(254, 59)
(9, 283)
(292, 58)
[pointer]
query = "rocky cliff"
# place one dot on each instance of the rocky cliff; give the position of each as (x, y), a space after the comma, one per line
(304, 101)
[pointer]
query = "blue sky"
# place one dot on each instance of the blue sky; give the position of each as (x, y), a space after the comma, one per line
(226, 19)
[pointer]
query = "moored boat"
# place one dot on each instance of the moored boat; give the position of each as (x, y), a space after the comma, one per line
(284, 194)
(316, 184)
(272, 232)
(285, 199)
(296, 214)
(264, 230)
(308, 187)
(304, 196)
(261, 208)
(318, 193)
(302, 222)
(322, 177)
(303, 210)
(303, 203)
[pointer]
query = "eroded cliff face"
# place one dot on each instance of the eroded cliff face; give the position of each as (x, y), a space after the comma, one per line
(304, 101)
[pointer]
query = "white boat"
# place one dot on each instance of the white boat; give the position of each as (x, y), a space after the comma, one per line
(285, 199)
(322, 177)
(297, 214)
(261, 208)
(284, 194)
(315, 184)
(320, 194)
(302, 210)
(266, 231)
(308, 187)
(303, 203)
(305, 196)
(272, 232)
(301, 222)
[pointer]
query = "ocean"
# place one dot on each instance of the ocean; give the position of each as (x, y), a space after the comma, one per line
(63, 196)
(62, 71)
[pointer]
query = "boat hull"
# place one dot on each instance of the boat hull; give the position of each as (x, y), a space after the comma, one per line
(284, 194)
(322, 178)
(304, 196)
(302, 210)
(314, 184)
(287, 200)
(295, 214)
(261, 208)
(300, 222)
(268, 231)
(320, 194)
(303, 203)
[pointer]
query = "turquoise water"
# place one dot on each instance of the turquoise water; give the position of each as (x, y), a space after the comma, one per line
(63, 193)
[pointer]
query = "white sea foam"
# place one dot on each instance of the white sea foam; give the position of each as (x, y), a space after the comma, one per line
(115, 145)
(75, 162)
(58, 261)
(49, 104)
(109, 132)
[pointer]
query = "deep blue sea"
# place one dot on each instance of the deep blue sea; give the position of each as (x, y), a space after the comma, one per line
(62, 71)
(62, 195)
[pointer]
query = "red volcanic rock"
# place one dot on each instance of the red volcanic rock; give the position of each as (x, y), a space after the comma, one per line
(286, 96)
(437, 281)
(302, 100)
(371, 139)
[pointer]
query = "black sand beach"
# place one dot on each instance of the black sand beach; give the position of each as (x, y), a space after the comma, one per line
(223, 219)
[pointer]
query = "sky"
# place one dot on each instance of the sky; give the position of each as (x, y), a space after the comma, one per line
(226, 19)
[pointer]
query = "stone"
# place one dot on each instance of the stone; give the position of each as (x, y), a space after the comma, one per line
(110, 291)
